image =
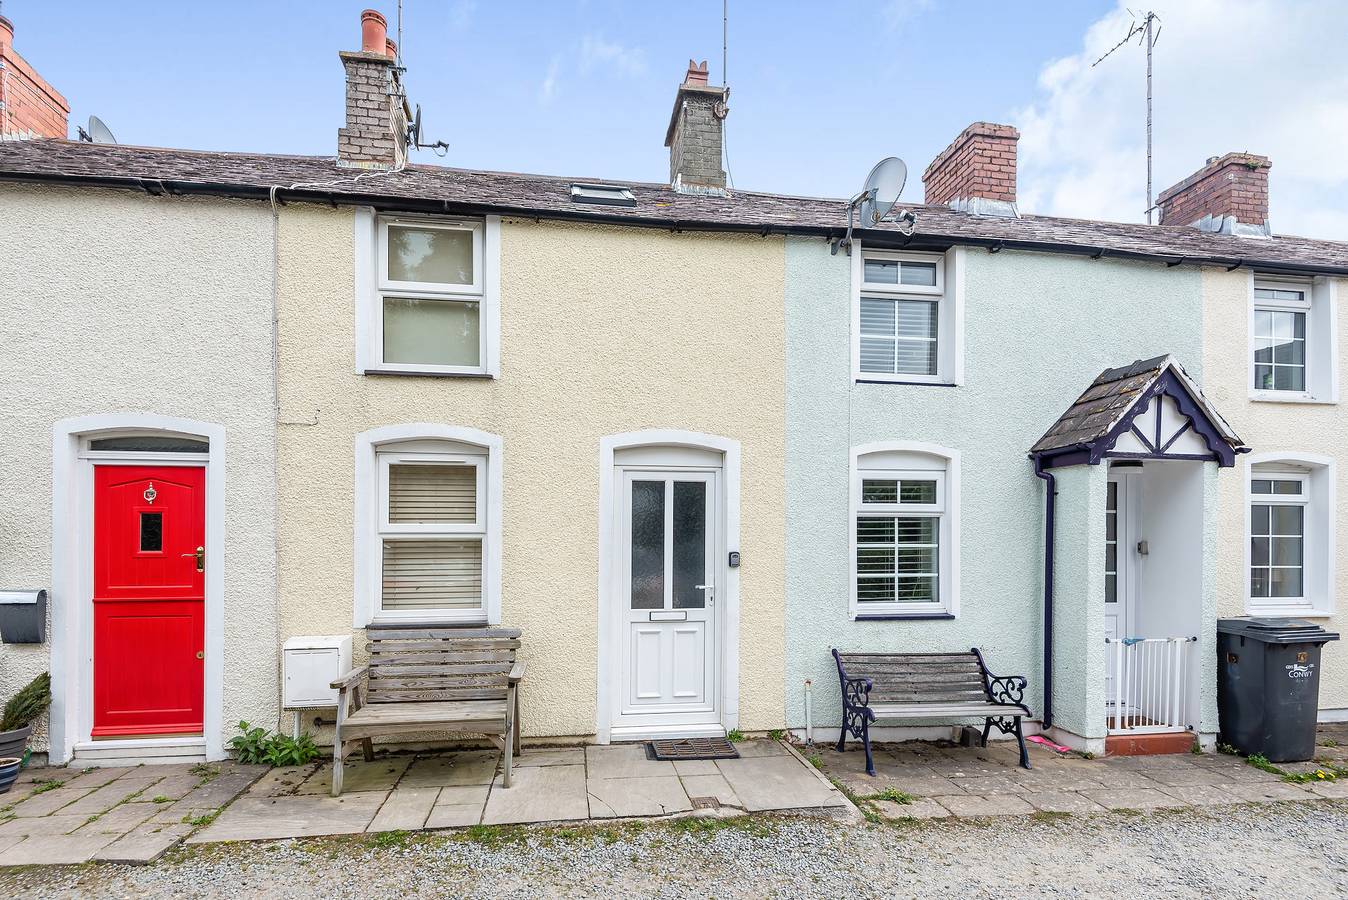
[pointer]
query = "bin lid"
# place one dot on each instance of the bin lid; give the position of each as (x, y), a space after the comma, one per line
(1272, 630)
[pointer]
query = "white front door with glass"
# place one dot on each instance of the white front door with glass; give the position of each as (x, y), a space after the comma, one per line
(1121, 505)
(667, 545)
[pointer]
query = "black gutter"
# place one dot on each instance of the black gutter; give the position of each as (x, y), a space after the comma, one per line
(1050, 505)
(926, 240)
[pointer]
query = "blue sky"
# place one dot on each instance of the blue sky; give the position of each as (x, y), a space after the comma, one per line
(820, 91)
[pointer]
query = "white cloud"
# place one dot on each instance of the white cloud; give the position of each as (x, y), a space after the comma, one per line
(1262, 75)
(596, 52)
(549, 85)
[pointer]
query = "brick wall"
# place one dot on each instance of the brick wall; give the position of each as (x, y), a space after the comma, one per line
(981, 162)
(376, 124)
(28, 104)
(694, 137)
(1232, 185)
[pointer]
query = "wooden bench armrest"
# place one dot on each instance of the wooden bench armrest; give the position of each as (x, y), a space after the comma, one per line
(517, 671)
(349, 678)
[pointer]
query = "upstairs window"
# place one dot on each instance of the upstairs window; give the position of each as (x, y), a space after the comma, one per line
(428, 295)
(904, 321)
(1291, 346)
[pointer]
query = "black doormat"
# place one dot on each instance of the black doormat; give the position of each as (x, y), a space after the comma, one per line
(692, 748)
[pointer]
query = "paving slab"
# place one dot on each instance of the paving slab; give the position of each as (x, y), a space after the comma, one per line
(56, 850)
(142, 845)
(759, 748)
(1201, 794)
(261, 818)
(994, 805)
(174, 787)
(921, 808)
(538, 794)
(470, 767)
(1335, 790)
(655, 796)
(552, 756)
(90, 778)
(109, 795)
(783, 782)
(713, 785)
(360, 776)
(1132, 798)
(282, 780)
(459, 805)
(121, 819)
(1063, 802)
(405, 809)
(624, 761)
(56, 824)
(1270, 791)
(686, 767)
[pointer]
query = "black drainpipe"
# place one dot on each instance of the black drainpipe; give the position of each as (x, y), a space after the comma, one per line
(1049, 504)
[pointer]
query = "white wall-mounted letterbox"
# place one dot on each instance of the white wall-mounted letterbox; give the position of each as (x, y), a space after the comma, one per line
(309, 665)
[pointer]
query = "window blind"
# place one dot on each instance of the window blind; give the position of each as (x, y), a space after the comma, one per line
(432, 574)
(431, 494)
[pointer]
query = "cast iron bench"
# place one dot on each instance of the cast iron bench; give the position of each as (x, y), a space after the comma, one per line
(431, 678)
(927, 686)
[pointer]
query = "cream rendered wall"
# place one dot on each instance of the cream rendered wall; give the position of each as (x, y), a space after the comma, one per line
(1271, 427)
(603, 330)
(117, 302)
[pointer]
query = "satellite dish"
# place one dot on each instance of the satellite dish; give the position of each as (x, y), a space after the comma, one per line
(100, 133)
(416, 128)
(882, 190)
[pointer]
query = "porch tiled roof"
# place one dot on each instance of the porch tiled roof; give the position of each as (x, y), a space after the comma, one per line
(1093, 415)
(468, 191)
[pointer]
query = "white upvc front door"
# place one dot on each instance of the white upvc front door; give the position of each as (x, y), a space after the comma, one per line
(1121, 535)
(668, 544)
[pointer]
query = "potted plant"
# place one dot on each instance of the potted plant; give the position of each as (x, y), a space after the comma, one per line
(22, 710)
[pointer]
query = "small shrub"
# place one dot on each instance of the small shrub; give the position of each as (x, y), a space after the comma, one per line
(776, 734)
(816, 760)
(1260, 761)
(28, 704)
(893, 795)
(735, 736)
(256, 745)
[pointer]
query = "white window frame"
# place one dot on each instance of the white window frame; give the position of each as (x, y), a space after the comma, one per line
(1317, 475)
(948, 293)
(430, 443)
(1320, 306)
(373, 285)
(912, 460)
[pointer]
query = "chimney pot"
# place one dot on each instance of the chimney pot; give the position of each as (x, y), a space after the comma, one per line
(697, 74)
(390, 48)
(373, 32)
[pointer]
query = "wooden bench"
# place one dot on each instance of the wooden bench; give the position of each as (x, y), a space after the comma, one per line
(927, 686)
(431, 678)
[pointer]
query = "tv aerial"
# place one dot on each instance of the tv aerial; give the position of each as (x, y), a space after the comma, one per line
(440, 148)
(877, 200)
(98, 133)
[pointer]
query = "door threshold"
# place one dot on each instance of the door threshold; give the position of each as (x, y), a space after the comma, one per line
(138, 751)
(625, 733)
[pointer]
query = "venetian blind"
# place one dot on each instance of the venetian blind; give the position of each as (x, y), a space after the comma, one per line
(430, 494)
(433, 574)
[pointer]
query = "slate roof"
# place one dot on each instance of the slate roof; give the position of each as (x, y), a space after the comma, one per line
(462, 191)
(1111, 395)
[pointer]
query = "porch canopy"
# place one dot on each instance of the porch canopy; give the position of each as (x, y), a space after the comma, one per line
(1150, 409)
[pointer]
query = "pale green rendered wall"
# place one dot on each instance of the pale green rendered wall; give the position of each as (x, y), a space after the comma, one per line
(1038, 328)
(1078, 609)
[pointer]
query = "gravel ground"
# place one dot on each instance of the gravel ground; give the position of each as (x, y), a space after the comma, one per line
(1284, 850)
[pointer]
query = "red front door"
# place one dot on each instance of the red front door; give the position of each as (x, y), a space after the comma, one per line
(149, 599)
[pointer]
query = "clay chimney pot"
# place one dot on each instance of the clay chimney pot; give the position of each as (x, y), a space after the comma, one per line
(373, 32)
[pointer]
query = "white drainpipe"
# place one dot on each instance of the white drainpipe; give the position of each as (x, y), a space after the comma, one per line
(809, 715)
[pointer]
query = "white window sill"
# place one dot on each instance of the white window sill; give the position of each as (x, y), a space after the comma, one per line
(1288, 397)
(1288, 612)
(881, 378)
(428, 372)
(889, 615)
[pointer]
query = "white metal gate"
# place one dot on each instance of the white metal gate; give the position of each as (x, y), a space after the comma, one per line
(1149, 691)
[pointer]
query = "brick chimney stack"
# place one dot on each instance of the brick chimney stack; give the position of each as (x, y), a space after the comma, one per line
(694, 137)
(29, 106)
(375, 136)
(977, 172)
(1228, 195)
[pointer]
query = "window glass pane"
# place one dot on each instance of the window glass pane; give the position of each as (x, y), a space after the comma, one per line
(877, 316)
(430, 255)
(875, 590)
(879, 491)
(1263, 322)
(916, 589)
(916, 318)
(1261, 486)
(1287, 520)
(150, 443)
(872, 560)
(1286, 486)
(881, 271)
(898, 559)
(916, 530)
(877, 355)
(1289, 378)
(690, 544)
(918, 274)
(1258, 551)
(423, 494)
(875, 530)
(1265, 293)
(648, 545)
(1259, 518)
(1263, 378)
(431, 332)
(432, 574)
(1259, 582)
(918, 492)
(151, 532)
(1284, 583)
(1286, 551)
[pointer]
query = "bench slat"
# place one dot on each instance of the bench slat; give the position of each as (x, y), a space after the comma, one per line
(915, 657)
(427, 657)
(936, 710)
(378, 696)
(391, 667)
